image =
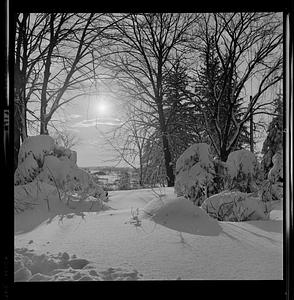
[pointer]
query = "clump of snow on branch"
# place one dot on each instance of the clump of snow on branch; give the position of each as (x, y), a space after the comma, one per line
(236, 206)
(195, 173)
(242, 171)
(46, 169)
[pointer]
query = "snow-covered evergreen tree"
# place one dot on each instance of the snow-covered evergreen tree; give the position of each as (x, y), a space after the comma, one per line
(242, 171)
(195, 174)
(214, 93)
(274, 140)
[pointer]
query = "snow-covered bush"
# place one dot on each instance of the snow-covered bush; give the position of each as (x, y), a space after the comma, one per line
(276, 172)
(31, 194)
(236, 206)
(242, 171)
(275, 176)
(195, 173)
(42, 163)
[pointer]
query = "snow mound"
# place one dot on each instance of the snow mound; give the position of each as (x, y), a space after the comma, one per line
(236, 206)
(38, 202)
(195, 173)
(242, 169)
(178, 213)
(29, 266)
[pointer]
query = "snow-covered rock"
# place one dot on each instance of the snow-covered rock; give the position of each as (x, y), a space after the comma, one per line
(195, 173)
(236, 206)
(242, 171)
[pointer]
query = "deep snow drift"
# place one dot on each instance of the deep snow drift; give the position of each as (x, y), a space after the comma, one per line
(144, 235)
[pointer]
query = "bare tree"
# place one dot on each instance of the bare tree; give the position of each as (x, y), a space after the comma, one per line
(147, 45)
(28, 34)
(57, 56)
(65, 137)
(129, 139)
(71, 61)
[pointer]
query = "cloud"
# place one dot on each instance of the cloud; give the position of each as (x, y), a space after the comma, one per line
(74, 116)
(98, 121)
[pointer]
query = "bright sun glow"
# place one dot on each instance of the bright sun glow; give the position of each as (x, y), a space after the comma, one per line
(102, 108)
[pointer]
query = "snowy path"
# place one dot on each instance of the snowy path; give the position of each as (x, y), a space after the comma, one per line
(246, 250)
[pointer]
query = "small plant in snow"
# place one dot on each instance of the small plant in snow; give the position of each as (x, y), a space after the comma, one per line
(134, 220)
(159, 194)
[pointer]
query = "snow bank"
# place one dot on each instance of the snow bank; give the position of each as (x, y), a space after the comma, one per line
(242, 168)
(28, 266)
(195, 173)
(178, 213)
(236, 206)
(243, 250)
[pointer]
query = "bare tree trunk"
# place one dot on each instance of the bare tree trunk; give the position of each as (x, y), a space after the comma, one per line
(170, 177)
(16, 135)
(224, 154)
(251, 129)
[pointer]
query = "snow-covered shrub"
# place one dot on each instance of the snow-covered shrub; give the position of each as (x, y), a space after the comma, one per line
(27, 170)
(275, 176)
(31, 158)
(195, 173)
(236, 206)
(276, 172)
(242, 171)
(69, 178)
(42, 161)
(29, 195)
(38, 146)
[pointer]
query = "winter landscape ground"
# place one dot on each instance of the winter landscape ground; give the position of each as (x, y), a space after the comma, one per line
(111, 243)
(189, 106)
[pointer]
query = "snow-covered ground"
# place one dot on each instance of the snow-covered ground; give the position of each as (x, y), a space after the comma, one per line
(163, 241)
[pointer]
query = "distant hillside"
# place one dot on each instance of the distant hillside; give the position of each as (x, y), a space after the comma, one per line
(107, 169)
